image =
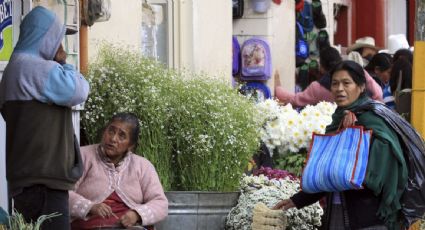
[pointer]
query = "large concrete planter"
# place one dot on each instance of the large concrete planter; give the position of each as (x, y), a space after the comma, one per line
(198, 210)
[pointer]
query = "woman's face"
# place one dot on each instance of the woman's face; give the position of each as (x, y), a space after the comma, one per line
(116, 140)
(384, 75)
(344, 89)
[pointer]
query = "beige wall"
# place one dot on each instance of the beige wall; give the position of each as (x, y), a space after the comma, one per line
(278, 27)
(124, 26)
(203, 36)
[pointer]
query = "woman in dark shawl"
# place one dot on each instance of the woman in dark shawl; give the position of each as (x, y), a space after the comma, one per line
(390, 171)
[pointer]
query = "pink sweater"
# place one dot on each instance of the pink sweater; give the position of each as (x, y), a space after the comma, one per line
(134, 180)
(316, 93)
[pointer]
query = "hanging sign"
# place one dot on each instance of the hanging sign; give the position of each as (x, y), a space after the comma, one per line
(6, 30)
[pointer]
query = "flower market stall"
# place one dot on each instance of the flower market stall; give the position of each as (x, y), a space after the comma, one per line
(198, 132)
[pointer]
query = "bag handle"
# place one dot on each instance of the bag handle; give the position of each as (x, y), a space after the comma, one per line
(348, 120)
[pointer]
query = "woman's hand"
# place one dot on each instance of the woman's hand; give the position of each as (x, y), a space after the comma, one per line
(284, 204)
(349, 119)
(129, 218)
(102, 210)
(60, 55)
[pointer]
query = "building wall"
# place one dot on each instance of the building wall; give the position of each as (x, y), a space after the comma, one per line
(212, 37)
(202, 39)
(123, 27)
(277, 26)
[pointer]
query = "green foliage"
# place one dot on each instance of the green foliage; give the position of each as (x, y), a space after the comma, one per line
(291, 162)
(197, 131)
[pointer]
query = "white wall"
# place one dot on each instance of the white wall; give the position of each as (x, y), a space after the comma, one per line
(212, 36)
(124, 27)
(203, 36)
(202, 33)
(396, 17)
(278, 27)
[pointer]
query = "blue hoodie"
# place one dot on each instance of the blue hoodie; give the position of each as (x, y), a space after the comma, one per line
(36, 95)
(32, 74)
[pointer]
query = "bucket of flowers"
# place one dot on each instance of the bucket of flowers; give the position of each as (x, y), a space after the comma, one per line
(269, 186)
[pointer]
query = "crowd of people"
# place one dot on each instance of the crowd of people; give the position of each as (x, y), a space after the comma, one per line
(107, 185)
(386, 74)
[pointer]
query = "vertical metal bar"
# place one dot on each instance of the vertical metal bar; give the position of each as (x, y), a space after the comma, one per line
(418, 87)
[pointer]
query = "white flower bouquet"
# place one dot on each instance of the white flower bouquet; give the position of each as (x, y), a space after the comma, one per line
(287, 130)
(260, 188)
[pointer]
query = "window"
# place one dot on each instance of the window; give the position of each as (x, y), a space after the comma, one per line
(157, 31)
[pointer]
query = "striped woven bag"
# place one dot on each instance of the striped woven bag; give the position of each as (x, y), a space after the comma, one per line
(337, 162)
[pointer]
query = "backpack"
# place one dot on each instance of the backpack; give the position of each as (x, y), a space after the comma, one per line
(237, 8)
(259, 91)
(305, 17)
(256, 59)
(301, 46)
(236, 50)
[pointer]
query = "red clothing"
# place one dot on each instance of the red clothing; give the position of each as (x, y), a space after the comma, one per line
(118, 208)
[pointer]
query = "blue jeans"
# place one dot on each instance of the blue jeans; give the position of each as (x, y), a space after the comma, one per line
(38, 200)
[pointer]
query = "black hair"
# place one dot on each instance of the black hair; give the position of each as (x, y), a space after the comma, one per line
(382, 61)
(403, 67)
(329, 58)
(131, 119)
(405, 54)
(355, 71)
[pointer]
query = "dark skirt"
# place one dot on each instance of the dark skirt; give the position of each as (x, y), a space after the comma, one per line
(337, 220)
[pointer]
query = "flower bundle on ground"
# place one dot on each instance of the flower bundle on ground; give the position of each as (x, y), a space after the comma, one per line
(287, 130)
(256, 189)
(197, 131)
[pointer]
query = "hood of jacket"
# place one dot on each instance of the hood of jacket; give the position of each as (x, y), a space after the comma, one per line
(41, 33)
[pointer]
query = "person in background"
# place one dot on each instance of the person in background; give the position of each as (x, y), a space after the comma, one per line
(376, 206)
(366, 47)
(37, 92)
(401, 86)
(319, 91)
(380, 69)
(118, 189)
(403, 53)
(401, 68)
(356, 57)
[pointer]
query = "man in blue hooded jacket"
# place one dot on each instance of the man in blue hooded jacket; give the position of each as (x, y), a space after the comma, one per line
(37, 92)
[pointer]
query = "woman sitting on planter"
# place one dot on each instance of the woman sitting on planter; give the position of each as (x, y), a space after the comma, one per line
(118, 188)
(378, 205)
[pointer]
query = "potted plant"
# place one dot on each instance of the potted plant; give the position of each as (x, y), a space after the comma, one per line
(197, 131)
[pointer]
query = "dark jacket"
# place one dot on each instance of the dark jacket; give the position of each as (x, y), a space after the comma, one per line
(40, 146)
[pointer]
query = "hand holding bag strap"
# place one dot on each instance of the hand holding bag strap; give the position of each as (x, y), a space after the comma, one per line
(348, 120)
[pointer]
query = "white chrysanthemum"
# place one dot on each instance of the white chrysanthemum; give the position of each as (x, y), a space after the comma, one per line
(256, 189)
(285, 129)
